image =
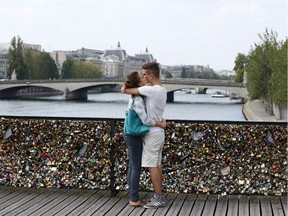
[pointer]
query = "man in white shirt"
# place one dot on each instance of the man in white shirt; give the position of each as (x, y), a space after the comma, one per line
(155, 99)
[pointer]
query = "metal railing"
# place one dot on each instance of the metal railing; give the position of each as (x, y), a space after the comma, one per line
(235, 157)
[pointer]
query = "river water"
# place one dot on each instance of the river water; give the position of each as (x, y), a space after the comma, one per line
(113, 105)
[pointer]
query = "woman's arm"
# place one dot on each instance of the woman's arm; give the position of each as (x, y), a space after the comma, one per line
(133, 91)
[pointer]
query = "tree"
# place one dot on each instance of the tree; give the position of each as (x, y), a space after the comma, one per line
(260, 68)
(47, 66)
(184, 73)
(80, 70)
(40, 65)
(30, 62)
(85, 70)
(168, 75)
(16, 59)
(67, 68)
(258, 74)
(165, 73)
(278, 65)
(241, 62)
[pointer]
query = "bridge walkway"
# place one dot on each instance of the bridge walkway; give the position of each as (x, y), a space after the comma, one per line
(45, 201)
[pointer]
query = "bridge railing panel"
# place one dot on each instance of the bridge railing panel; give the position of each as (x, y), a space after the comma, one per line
(198, 156)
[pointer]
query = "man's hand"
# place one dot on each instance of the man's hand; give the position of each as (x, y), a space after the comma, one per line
(164, 124)
(161, 124)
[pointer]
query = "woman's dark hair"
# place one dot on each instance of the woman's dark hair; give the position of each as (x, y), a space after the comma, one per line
(132, 80)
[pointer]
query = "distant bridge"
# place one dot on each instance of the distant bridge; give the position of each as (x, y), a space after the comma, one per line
(78, 89)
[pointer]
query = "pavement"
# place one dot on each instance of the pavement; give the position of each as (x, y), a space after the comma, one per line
(255, 111)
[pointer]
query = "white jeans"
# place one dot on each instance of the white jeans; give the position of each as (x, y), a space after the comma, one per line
(152, 149)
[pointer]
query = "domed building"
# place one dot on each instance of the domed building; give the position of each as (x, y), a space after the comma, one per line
(114, 62)
(118, 52)
(117, 63)
(146, 56)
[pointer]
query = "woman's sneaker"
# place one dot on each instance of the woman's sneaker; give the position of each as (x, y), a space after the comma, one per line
(157, 201)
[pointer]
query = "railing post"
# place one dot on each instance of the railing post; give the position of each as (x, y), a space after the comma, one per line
(170, 96)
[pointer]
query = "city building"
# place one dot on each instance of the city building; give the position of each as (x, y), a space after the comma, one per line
(146, 56)
(3, 64)
(59, 57)
(226, 72)
(117, 63)
(5, 46)
(90, 53)
(84, 54)
(114, 62)
(176, 70)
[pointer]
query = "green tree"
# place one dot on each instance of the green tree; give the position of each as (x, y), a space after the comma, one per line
(40, 65)
(75, 69)
(47, 67)
(184, 73)
(30, 62)
(241, 62)
(257, 74)
(279, 67)
(259, 70)
(168, 75)
(16, 59)
(67, 68)
(85, 70)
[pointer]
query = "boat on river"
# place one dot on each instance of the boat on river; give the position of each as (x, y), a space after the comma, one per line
(187, 91)
(218, 94)
(184, 91)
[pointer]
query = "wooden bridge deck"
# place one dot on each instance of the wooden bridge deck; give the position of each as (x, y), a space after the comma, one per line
(42, 201)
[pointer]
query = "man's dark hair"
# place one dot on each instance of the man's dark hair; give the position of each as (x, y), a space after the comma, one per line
(152, 67)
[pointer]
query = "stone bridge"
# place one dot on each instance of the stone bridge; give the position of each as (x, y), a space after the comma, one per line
(78, 89)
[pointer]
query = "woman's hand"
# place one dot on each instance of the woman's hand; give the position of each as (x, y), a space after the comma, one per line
(123, 89)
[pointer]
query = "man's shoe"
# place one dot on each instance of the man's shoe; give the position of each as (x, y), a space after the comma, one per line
(156, 202)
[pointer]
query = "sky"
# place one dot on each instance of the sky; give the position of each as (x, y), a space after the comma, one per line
(176, 32)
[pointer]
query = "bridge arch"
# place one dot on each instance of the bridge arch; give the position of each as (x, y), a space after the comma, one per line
(69, 93)
(82, 93)
(171, 88)
(15, 91)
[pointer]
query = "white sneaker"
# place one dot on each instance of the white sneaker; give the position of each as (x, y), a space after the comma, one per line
(156, 202)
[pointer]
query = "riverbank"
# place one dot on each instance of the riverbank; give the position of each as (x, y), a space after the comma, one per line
(255, 111)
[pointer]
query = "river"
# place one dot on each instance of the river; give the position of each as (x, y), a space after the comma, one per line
(113, 105)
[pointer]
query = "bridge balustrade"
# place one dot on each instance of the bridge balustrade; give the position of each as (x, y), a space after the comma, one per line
(212, 157)
(78, 89)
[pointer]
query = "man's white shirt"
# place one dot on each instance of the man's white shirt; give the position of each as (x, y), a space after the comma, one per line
(155, 99)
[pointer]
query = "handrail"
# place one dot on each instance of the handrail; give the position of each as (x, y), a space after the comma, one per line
(121, 119)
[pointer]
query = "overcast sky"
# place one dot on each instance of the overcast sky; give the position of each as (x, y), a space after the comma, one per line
(197, 32)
